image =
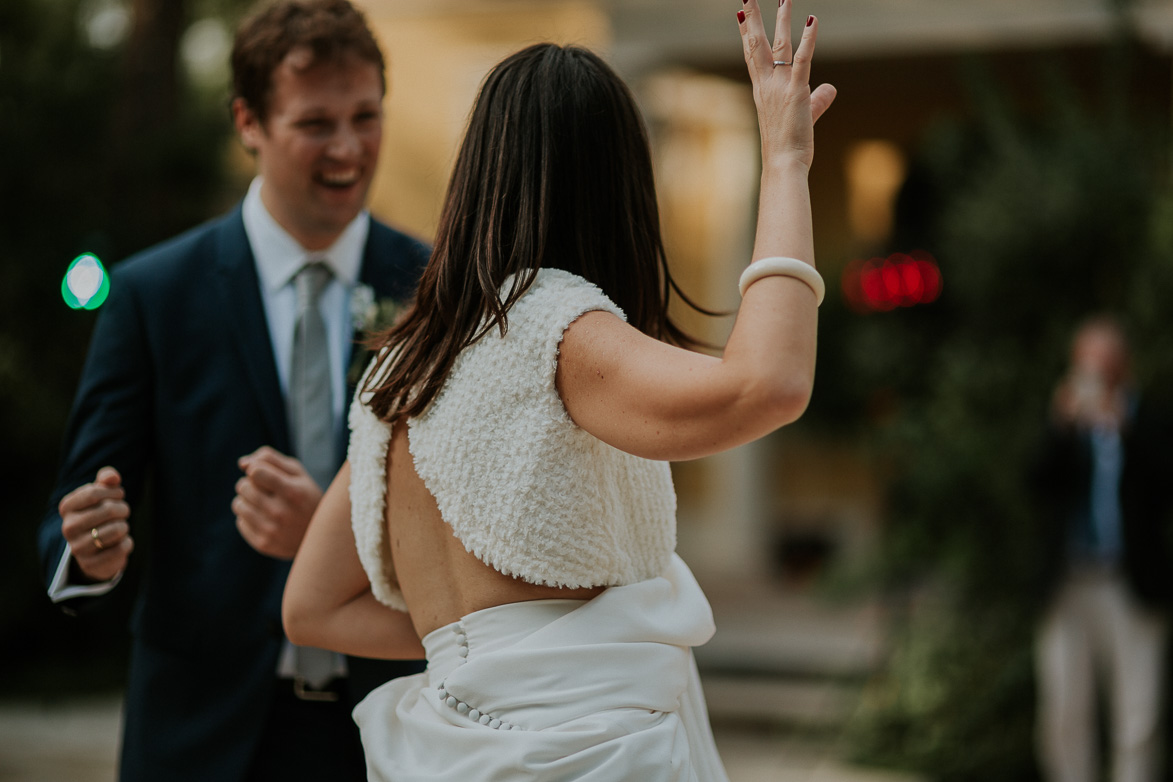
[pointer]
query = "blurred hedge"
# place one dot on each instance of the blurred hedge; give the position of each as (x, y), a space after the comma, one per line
(103, 150)
(1039, 215)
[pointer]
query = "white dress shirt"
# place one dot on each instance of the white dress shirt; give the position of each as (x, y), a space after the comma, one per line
(278, 258)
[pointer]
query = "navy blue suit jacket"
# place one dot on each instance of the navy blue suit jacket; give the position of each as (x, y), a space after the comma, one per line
(179, 382)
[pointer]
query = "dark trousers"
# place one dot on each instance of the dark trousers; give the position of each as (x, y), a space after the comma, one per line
(309, 740)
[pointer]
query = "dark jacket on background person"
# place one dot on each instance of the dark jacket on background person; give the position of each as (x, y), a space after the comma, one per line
(1061, 481)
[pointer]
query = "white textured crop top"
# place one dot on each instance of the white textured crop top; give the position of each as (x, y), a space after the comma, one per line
(524, 489)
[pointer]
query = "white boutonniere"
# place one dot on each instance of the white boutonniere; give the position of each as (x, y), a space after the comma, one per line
(363, 307)
(369, 314)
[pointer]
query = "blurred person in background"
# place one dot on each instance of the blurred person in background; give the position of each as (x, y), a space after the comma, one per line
(217, 375)
(1102, 481)
(507, 506)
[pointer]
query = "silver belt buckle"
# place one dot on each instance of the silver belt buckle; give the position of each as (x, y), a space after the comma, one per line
(305, 694)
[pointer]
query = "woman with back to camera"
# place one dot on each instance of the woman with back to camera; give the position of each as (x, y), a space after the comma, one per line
(507, 497)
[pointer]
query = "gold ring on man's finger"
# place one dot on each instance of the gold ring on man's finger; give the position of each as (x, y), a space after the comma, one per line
(98, 544)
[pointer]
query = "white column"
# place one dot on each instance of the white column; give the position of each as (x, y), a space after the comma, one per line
(708, 168)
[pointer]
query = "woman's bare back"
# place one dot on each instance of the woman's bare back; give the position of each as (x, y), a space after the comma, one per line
(441, 581)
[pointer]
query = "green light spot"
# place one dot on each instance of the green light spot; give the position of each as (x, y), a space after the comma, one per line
(86, 284)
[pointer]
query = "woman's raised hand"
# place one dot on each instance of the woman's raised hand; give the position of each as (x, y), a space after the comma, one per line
(787, 108)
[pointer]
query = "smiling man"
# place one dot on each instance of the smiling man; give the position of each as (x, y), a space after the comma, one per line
(217, 375)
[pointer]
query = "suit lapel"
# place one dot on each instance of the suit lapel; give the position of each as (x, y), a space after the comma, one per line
(241, 294)
(359, 354)
(391, 266)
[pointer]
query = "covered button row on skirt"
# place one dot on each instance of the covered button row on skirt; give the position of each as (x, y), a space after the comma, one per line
(462, 640)
(473, 714)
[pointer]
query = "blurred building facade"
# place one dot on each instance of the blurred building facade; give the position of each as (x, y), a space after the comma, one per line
(895, 64)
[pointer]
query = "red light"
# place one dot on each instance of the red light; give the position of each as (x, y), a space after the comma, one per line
(875, 288)
(900, 280)
(893, 282)
(930, 274)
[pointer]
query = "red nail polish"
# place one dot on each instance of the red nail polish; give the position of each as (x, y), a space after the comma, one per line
(809, 21)
(780, 2)
(741, 17)
(743, 2)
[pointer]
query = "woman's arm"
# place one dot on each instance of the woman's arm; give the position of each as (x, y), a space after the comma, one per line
(328, 601)
(661, 402)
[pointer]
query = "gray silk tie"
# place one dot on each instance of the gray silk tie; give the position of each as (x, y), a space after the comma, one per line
(311, 422)
(311, 406)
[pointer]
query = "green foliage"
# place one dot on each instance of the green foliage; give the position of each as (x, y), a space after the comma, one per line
(1038, 220)
(956, 700)
(1039, 224)
(72, 184)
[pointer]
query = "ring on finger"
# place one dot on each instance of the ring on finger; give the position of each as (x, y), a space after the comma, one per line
(98, 544)
(782, 62)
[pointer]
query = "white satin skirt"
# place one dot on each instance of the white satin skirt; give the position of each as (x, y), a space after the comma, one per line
(599, 690)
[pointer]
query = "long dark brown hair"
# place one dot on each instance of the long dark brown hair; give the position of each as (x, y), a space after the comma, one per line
(555, 172)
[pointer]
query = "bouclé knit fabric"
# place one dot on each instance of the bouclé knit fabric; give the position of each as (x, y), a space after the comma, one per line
(524, 489)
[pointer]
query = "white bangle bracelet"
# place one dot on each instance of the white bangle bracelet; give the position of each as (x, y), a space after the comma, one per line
(784, 267)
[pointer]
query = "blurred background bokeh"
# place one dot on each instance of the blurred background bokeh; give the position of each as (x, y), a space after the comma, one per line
(989, 174)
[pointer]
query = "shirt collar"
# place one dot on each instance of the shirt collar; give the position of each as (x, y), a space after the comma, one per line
(279, 256)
